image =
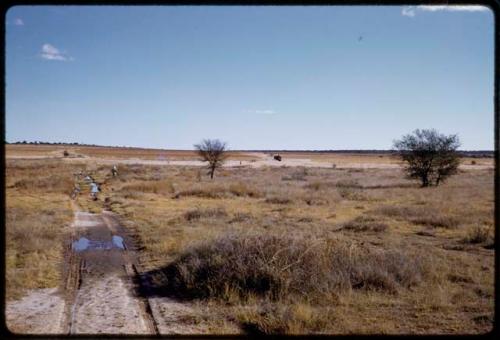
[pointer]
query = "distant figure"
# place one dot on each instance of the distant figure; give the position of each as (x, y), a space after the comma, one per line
(94, 189)
(78, 175)
(114, 171)
(76, 191)
(278, 158)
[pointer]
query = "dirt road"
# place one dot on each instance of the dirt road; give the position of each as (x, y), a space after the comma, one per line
(99, 281)
(104, 291)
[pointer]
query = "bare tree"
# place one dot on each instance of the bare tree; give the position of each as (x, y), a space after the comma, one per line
(212, 151)
(430, 156)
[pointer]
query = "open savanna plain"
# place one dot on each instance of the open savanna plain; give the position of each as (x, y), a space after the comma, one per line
(296, 247)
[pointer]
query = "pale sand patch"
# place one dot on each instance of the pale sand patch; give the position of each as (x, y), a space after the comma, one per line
(84, 219)
(268, 161)
(105, 306)
(175, 318)
(39, 312)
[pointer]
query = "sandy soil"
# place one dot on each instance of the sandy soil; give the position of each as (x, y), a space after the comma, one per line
(175, 318)
(104, 302)
(105, 305)
(267, 161)
(39, 312)
(254, 159)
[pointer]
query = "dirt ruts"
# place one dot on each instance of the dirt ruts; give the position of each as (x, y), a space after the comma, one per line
(99, 280)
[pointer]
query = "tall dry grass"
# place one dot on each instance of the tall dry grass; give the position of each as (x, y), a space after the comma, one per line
(284, 267)
(36, 220)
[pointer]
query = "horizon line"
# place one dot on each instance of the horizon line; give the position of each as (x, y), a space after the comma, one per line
(229, 150)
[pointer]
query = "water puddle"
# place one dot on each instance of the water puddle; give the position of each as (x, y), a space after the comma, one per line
(84, 243)
(118, 241)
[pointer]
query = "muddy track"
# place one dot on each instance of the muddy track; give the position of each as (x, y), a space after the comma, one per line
(99, 280)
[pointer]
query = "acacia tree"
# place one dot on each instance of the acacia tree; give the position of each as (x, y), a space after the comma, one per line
(212, 151)
(430, 156)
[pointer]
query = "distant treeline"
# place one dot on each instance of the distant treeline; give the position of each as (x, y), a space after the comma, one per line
(49, 143)
(64, 143)
(463, 153)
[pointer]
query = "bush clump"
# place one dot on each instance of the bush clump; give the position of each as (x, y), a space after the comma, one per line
(365, 223)
(196, 214)
(203, 192)
(278, 200)
(241, 190)
(421, 215)
(279, 267)
(478, 234)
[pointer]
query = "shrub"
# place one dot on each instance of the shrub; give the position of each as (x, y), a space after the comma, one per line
(478, 234)
(421, 215)
(318, 185)
(279, 267)
(352, 194)
(240, 217)
(348, 184)
(155, 187)
(365, 223)
(298, 175)
(196, 214)
(241, 189)
(436, 220)
(65, 153)
(315, 201)
(278, 200)
(203, 192)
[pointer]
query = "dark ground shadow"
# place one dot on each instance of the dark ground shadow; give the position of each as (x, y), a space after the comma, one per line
(162, 283)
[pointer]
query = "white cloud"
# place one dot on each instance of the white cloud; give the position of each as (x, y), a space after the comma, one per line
(263, 112)
(408, 11)
(411, 11)
(453, 8)
(50, 52)
(19, 22)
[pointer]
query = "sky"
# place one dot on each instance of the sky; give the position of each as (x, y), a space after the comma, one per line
(270, 77)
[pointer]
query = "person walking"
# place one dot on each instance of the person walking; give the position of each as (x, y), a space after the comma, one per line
(94, 189)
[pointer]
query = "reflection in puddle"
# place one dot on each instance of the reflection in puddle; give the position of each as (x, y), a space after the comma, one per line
(118, 241)
(81, 244)
(84, 243)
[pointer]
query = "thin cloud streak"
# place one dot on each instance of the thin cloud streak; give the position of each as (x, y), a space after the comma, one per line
(408, 11)
(411, 11)
(263, 112)
(49, 52)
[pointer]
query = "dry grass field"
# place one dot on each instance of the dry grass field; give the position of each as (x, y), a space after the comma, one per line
(276, 249)
(319, 250)
(37, 216)
(116, 153)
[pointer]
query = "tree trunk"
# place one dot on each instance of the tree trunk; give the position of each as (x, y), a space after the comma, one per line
(212, 170)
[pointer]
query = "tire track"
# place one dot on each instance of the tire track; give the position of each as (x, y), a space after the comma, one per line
(99, 281)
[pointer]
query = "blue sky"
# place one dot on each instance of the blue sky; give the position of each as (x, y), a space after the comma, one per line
(339, 77)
